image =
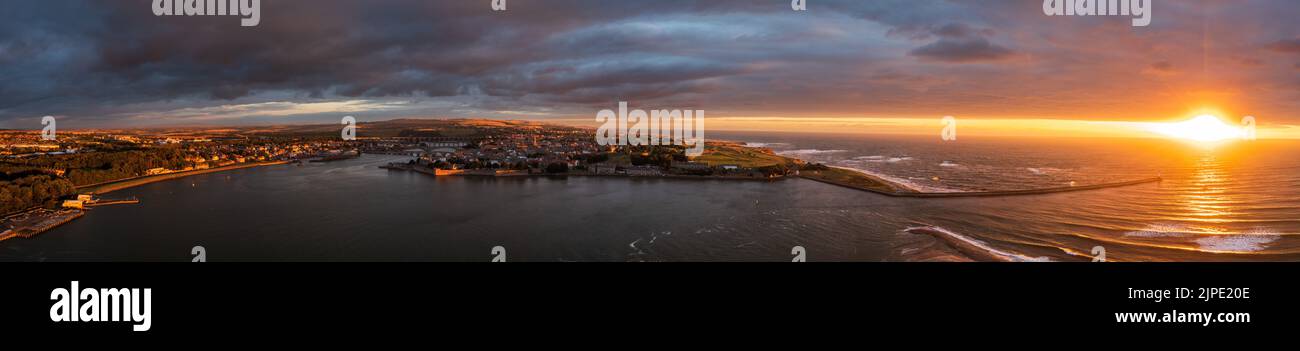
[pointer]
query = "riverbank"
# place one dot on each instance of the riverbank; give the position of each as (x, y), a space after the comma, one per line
(424, 170)
(99, 189)
(29, 223)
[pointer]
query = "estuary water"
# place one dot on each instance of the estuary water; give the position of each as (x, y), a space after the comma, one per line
(1231, 202)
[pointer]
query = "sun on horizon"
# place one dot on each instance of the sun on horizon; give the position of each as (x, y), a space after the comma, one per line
(1203, 128)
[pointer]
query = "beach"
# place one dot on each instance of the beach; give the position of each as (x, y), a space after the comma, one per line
(99, 189)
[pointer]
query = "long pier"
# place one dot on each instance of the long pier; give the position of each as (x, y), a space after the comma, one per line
(131, 200)
(39, 221)
(1041, 191)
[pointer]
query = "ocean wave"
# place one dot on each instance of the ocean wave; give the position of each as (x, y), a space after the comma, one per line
(1160, 230)
(1043, 170)
(809, 152)
(1254, 240)
(758, 144)
(1236, 243)
(879, 158)
(975, 248)
(949, 164)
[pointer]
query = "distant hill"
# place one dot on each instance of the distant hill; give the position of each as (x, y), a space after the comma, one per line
(406, 127)
(401, 127)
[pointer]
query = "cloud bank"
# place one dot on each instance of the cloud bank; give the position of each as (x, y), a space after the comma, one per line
(115, 64)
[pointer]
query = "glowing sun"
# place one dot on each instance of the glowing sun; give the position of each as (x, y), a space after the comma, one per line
(1202, 128)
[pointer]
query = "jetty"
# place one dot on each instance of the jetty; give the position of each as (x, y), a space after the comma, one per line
(1040, 191)
(106, 202)
(30, 223)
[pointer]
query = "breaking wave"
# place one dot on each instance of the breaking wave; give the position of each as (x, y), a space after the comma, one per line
(1247, 242)
(972, 247)
(809, 152)
(887, 159)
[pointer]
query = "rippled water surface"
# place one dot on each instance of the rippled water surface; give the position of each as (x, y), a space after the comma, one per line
(1236, 201)
(1228, 201)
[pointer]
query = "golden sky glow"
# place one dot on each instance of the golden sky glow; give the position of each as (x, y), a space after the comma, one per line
(1202, 127)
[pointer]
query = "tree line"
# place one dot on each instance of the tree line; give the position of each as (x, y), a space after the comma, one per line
(31, 191)
(99, 167)
(43, 181)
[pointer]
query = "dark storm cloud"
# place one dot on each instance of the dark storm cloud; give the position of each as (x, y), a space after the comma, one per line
(113, 62)
(81, 56)
(947, 31)
(957, 43)
(1291, 46)
(962, 50)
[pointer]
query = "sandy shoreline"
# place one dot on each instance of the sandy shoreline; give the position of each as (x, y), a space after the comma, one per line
(901, 186)
(904, 190)
(99, 189)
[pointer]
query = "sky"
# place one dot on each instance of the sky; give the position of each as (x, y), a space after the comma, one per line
(751, 64)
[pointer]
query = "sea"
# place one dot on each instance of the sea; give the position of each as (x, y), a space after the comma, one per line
(1230, 201)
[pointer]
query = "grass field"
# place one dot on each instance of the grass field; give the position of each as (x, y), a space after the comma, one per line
(716, 154)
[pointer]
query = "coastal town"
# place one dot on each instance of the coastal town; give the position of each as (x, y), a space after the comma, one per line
(521, 150)
(46, 183)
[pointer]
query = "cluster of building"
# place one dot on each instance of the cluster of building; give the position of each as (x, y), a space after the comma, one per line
(513, 151)
(15, 144)
(201, 151)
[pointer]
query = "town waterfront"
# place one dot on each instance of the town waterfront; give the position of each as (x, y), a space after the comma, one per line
(353, 210)
(1234, 203)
